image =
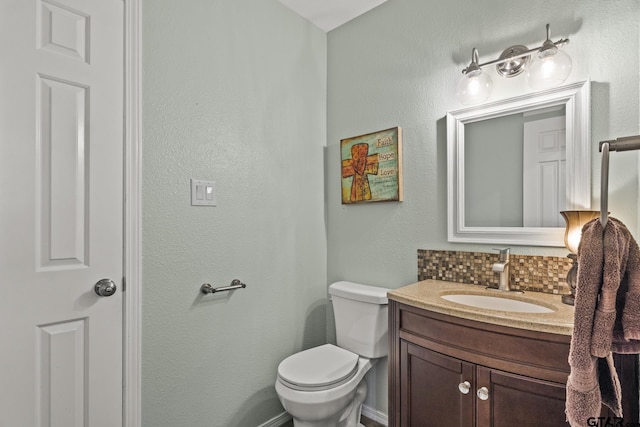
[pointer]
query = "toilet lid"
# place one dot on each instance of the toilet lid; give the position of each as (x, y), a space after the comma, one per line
(319, 368)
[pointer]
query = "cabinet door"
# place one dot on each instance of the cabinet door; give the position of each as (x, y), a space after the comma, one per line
(433, 389)
(515, 400)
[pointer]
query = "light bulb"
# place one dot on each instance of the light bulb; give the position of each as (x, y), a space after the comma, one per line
(549, 68)
(573, 240)
(573, 231)
(474, 87)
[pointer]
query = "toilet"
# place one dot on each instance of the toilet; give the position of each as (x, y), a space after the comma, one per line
(324, 386)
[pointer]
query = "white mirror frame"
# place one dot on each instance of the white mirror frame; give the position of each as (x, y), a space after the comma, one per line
(576, 98)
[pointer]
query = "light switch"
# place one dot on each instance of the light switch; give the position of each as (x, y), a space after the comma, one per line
(203, 193)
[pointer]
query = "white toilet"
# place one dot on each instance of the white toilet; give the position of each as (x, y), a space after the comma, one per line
(324, 386)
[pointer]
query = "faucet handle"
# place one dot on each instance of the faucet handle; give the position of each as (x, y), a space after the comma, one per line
(504, 253)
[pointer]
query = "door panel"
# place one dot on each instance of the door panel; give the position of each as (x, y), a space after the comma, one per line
(61, 212)
(61, 351)
(515, 400)
(61, 175)
(544, 176)
(431, 395)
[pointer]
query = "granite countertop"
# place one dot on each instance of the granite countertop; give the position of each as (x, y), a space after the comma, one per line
(427, 295)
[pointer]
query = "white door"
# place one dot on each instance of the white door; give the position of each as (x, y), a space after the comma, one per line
(61, 212)
(544, 177)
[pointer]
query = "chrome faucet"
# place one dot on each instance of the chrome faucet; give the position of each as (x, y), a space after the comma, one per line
(502, 267)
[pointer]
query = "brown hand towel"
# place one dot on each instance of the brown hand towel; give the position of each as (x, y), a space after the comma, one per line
(606, 318)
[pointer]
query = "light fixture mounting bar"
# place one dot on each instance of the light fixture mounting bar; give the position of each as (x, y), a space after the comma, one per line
(559, 43)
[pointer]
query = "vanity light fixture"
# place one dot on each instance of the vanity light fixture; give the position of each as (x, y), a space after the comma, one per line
(546, 66)
(475, 86)
(575, 220)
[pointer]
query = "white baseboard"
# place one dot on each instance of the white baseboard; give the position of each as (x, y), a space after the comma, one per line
(277, 421)
(374, 415)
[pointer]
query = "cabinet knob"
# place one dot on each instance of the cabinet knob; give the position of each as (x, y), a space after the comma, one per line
(483, 393)
(464, 387)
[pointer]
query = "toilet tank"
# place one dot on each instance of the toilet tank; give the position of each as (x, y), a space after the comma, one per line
(361, 316)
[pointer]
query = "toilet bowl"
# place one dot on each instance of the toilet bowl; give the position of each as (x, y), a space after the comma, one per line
(324, 386)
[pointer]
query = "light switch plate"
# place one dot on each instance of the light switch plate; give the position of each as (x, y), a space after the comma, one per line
(203, 193)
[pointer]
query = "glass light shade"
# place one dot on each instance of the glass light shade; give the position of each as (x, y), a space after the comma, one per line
(474, 87)
(549, 68)
(575, 221)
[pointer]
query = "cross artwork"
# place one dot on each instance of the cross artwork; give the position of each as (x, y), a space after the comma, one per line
(360, 166)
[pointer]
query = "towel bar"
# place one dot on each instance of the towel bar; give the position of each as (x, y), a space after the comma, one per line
(604, 185)
(625, 143)
(206, 288)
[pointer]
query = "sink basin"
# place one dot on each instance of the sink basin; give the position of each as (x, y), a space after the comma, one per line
(489, 302)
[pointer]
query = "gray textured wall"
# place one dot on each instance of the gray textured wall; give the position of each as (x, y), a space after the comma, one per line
(234, 91)
(399, 64)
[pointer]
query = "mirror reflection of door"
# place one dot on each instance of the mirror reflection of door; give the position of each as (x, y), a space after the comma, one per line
(544, 172)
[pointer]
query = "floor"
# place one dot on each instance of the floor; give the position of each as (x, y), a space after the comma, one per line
(370, 423)
(364, 420)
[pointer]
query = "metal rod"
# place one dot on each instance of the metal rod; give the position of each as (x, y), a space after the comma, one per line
(625, 143)
(206, 288)
(559, 43)
(604, 185)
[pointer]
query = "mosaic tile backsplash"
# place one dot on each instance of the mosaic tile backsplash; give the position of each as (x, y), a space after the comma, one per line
(528, 273)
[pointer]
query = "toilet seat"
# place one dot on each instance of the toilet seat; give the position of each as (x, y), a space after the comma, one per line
(319, 368)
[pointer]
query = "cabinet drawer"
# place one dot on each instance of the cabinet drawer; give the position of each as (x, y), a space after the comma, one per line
(524, 352)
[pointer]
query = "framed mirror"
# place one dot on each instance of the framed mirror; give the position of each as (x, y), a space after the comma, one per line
(514, 164)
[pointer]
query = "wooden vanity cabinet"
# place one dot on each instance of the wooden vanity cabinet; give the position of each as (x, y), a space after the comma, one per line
(438, 363)
(444, 370)
(439, 390)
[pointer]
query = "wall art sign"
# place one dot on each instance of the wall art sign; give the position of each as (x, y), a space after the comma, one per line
(372, 167)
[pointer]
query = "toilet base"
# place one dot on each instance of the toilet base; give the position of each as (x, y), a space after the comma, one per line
(350, 417)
